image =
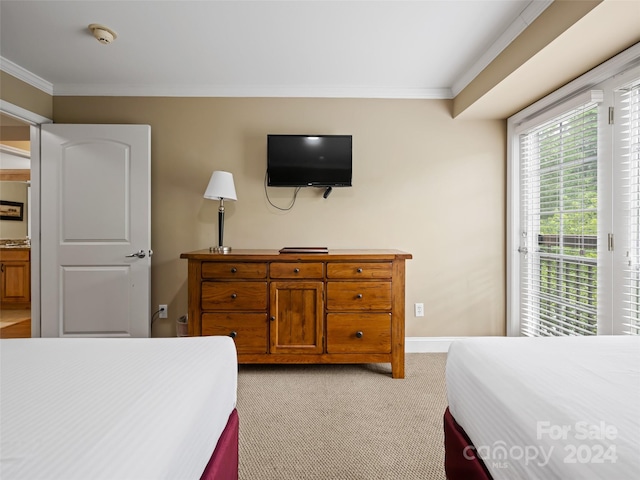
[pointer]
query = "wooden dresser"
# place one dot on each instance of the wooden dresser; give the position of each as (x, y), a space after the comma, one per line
(345, 306)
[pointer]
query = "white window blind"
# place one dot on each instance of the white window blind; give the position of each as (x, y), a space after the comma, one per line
(558, 224)
(630, 199)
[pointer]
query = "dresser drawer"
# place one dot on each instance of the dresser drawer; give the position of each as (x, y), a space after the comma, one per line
(359, 333)
(296, 270)
(359, 270)
(234, 270)
(248, 330)
(358, 296)
(234, 295)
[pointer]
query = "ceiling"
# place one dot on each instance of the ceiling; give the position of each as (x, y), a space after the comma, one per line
(372, 49)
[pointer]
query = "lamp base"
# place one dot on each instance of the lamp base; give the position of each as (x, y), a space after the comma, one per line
(220, 249)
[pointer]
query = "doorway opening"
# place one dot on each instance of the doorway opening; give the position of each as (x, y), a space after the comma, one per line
(14, 116)
(15, 230)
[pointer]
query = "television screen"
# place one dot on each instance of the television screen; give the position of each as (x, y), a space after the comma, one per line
(309, 160)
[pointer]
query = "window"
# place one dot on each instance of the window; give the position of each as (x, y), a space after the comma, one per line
(559, 224)
(574, 207)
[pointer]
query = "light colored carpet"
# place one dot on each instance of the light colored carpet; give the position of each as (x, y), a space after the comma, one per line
(342, 422)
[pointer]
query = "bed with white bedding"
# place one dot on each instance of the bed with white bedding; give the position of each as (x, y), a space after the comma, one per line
(107, 408)
(544, 408)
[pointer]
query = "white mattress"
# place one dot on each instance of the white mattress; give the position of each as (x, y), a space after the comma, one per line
(573, 403)
(106, 408)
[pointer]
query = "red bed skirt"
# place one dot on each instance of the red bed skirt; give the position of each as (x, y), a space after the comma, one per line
(460, 461)
(223, 464)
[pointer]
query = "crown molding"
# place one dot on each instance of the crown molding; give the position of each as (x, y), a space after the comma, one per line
(528, 15)
(25, 75)
(279, 91)
(294, 91)
(251, 91)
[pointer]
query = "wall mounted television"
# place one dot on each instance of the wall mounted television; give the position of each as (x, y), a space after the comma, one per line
(309, 160)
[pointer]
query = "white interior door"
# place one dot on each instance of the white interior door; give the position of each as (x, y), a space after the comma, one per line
(95, 230)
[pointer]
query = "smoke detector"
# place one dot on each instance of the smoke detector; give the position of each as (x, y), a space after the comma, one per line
(103, 34)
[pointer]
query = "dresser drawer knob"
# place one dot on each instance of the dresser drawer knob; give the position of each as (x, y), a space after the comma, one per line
(359, 334)
(296, 270)
(234, 295)
(233, 334)
(273, 319)
(359, 295)
(359, 270)
(234, 269)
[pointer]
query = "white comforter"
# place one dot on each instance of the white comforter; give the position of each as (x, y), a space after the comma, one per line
(549, 408)
(113, 408)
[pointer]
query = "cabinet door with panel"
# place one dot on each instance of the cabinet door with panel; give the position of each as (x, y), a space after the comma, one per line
(296, 317)
(15, 278)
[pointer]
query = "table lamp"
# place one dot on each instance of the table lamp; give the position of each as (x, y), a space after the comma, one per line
(221, 188)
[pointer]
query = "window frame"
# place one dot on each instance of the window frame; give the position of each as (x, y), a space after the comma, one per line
(605, 76)
(619, 182)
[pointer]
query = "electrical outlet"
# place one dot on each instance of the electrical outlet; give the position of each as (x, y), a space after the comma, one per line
(164, 313)
(419, 309)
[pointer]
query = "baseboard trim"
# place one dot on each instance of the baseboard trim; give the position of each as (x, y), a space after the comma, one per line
(428, 344)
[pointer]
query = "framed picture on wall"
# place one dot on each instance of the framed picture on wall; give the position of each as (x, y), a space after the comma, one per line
(11, 210)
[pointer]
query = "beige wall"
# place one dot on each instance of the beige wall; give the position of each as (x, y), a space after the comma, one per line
(26, 96)
(423, 182)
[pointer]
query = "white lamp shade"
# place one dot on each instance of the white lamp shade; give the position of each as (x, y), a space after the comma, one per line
(221, 187)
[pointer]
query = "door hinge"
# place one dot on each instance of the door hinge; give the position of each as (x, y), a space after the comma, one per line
(610, 242)
(610, 115)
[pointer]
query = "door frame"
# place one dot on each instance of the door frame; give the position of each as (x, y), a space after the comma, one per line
(34, 120)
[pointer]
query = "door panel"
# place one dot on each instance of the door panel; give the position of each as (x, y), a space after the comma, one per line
(88, 186)
(86, 291)
(95, 204)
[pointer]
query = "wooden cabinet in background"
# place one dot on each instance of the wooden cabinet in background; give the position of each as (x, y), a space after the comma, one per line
(344, 306)
(15, 278)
